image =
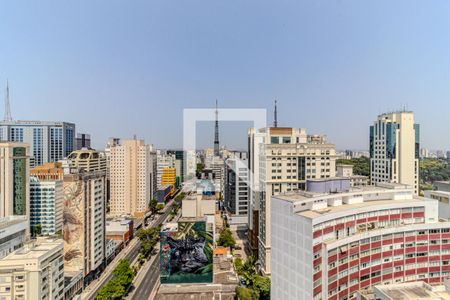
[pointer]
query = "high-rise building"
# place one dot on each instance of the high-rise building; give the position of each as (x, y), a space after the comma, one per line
(330, 245)
(394, 149)
(46, 205)
(14, 179)
(112, 142)
(48, 171)
(191, 163)
(218, 169)
(87, 160)
(83, 140)
(180, 162)
(133, 178)
(14, 196)
(424, 153)
(49, 141)
(440, 154)
(84, 222)
(236, 191)
(168, 176)
(163, 161)
(287, 158)
(208, 157)
(34, 272)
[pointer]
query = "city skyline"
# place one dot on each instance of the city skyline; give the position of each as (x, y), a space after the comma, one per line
(332, 67)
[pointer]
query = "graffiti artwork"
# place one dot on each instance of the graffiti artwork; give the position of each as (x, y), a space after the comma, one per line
(73, 226)
(186, 254)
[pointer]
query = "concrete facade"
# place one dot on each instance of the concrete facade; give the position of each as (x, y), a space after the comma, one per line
(132, 177)
(48, 141)
(236, 191)
(329, 246)
(47, 205)
(14, 179)
(287, 158)
(34, 272)
(394, 149)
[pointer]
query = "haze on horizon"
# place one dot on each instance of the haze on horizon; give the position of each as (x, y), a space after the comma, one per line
(119, 69)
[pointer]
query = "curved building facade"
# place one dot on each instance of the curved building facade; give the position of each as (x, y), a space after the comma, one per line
(329, 246)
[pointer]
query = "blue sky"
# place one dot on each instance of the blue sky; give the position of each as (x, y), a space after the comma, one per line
(118, 68)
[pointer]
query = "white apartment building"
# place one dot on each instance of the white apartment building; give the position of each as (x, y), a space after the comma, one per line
(112, 142)
(34, 272)
(330, 245)
(218, 169)
(84, 226)
(346, 171)
(255, 143)
(287, 158)
(132, 178)
(46, 205)
(394, 149)
(191, 163)
(49, 141)
(87, 160)
(163, 161)
(208, 157)
(13, 233)
(236, 191)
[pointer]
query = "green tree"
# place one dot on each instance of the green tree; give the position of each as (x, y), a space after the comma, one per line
(180, 197)
(246, 294)
(262, 285)
(148, 239)
(112, 290)
(124, 273)
(361, 165)
(200, 167)
(36, 230)
(152, 205)
(159, 207)
(432, 169)
(148, 233)
(238, 265)
(226, 239)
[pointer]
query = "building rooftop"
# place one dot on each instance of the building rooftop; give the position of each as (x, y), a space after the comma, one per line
(354, 207)
(418, 290)
(12, 220)
(223, 287)
(299, 196)
(35, 249)
(34, 123)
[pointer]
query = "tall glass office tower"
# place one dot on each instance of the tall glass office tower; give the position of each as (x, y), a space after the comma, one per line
(394, 149)
(49, 141)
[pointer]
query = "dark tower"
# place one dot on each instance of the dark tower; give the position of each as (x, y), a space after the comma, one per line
(216, 134)
(275, 121)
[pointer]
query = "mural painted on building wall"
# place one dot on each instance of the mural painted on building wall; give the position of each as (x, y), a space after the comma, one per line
(186, 254)
(73, 226)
